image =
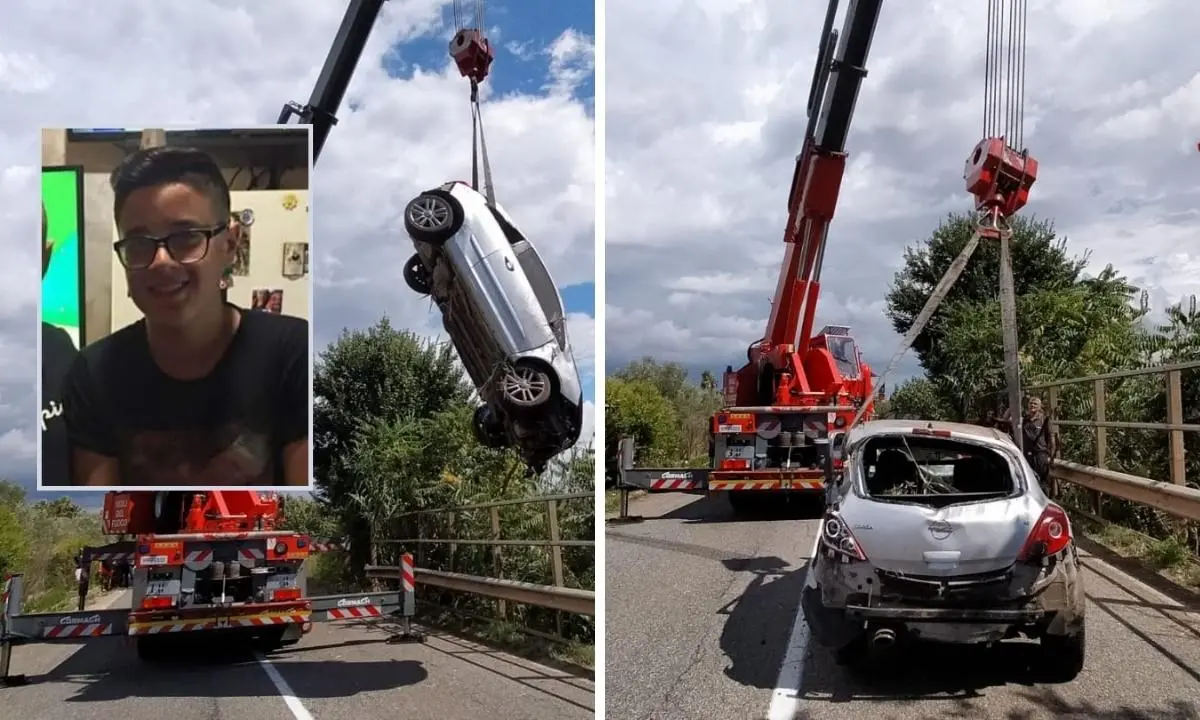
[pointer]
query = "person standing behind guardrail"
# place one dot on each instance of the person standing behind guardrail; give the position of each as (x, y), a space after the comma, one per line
(1039, 443)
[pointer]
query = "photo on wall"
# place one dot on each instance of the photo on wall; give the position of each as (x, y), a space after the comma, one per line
(241, 257)
(295, 259)
(62, 276)
(267, 300)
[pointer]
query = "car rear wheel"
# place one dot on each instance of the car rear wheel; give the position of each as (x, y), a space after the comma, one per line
(432, 217)
(417, 277)
(526, 386)
(1063, 655)
(488, 431)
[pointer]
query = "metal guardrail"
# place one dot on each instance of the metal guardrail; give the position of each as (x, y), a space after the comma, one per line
(1173, 496)
(582, 602)
(556, 597)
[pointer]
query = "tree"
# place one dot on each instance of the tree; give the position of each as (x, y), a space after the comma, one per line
(693, 404)
(366, 377)
(916, 399)
(636, 409)
(1067, 324)
(63, 507)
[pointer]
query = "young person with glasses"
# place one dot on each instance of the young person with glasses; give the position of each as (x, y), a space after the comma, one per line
(199, 392)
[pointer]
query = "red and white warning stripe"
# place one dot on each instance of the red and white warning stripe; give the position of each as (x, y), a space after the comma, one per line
(745, 485)
(408, 579)
(62, 632)
(261, 620)
(673, 484)
(181, 626)
(347, 613)
(200, 559)
(250, 556)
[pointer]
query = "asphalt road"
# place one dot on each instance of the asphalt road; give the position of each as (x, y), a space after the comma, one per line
(338, 672)
(700, 611)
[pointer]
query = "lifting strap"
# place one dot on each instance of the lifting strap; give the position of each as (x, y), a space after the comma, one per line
(479, 153)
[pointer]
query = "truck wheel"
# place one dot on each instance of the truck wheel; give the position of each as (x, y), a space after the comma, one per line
(432, 217)
(1063, 655)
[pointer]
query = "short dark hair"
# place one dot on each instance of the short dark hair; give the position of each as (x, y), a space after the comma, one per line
(165, 164)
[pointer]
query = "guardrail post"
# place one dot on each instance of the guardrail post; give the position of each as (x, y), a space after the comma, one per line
(1175, 417)
(1099, 415)
(556, 564)
(498, 559)
(453, 527)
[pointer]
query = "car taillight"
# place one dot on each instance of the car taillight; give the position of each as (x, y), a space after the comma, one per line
(836, 536)
(158, 602)
(1051, 534)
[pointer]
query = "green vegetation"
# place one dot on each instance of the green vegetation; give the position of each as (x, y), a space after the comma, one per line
(1072, 321)
(40, 540)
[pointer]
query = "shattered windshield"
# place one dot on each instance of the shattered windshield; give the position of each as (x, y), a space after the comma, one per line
(900, 467)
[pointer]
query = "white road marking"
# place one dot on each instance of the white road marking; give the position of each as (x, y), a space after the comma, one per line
(285, 690)
(785, 701)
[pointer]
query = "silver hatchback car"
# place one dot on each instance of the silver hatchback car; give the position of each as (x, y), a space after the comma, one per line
(505, 317)
(939, 531)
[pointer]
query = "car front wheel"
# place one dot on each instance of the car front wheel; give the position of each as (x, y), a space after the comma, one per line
(487, 429)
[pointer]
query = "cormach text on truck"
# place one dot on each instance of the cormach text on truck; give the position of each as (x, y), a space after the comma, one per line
(799, 391)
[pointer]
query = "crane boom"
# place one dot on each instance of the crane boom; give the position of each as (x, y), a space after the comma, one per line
(820, 166)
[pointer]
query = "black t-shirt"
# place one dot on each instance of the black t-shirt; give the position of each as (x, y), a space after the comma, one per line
(228, 428)
(58, 352)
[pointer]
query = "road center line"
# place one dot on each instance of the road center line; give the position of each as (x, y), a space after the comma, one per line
(785, 701)
(285, 691)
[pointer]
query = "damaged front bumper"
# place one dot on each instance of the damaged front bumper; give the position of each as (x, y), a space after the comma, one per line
(1029, 601)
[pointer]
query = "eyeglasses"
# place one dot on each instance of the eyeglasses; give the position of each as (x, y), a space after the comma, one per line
(185, 247)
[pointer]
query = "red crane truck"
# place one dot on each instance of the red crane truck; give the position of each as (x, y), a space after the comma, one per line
(213, 562)
(796, 388)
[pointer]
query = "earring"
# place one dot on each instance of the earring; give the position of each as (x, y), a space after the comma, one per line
(226, 279)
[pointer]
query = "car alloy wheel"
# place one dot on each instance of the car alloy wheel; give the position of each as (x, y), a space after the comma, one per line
(417, 277)
(525, 385)
(432, 217)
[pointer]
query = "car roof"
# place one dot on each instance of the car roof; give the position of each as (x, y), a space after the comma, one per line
(875, 428)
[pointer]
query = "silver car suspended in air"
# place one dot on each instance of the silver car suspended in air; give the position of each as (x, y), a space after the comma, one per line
(940, 531)
(505, 317)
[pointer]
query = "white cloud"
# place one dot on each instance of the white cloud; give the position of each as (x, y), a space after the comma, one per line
(130, 63)
(706, 113)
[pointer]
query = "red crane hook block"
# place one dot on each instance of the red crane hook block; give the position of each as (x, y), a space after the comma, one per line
(472, 53)
(999, 177)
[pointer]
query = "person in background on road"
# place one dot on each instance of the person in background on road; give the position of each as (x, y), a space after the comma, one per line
(1038, 443)
(199, 391)
(58, 352)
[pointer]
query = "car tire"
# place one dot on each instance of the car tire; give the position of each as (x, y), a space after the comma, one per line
(416, 276)
(1063, 655)
(487, 429)
(526, 385)
(432, 217)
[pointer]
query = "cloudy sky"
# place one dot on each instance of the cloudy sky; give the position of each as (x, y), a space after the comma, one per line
(706, 110)
(404, 127)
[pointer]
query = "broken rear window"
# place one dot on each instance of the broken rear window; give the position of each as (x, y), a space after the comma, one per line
(906, 467)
